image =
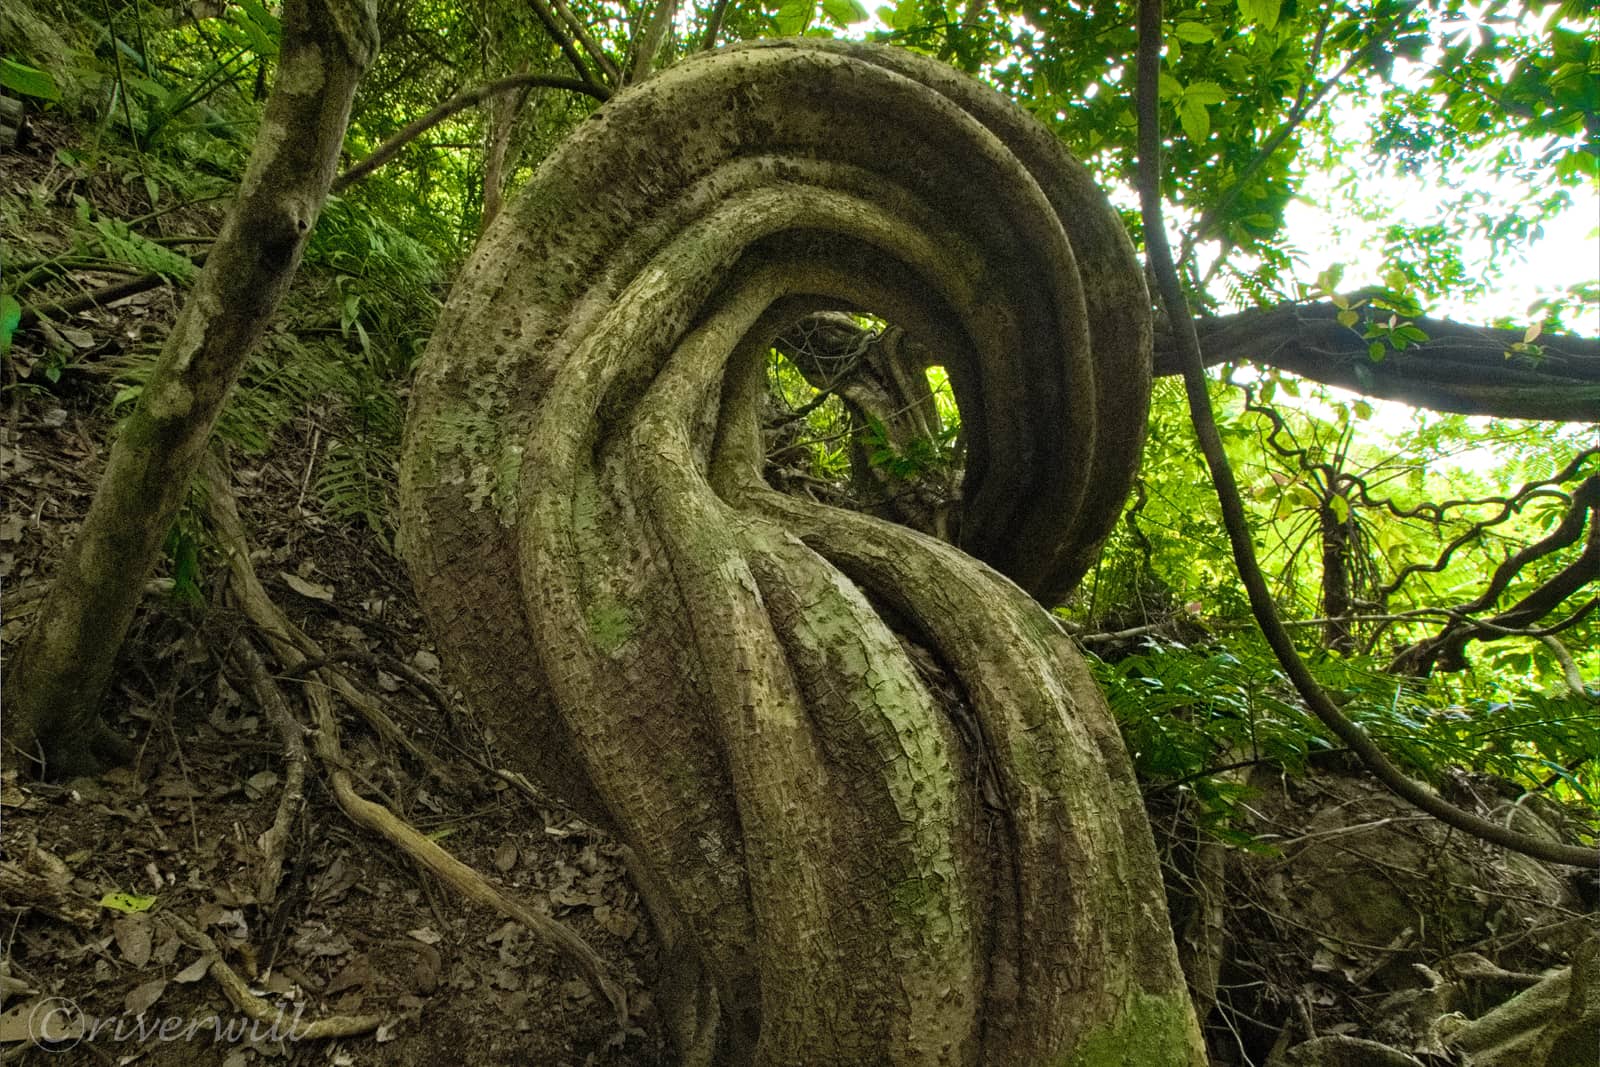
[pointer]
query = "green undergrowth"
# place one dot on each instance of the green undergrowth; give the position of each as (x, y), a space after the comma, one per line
(1198, 718)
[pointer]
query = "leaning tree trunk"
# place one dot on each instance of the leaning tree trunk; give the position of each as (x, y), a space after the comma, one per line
(54, 688)
(879, 808)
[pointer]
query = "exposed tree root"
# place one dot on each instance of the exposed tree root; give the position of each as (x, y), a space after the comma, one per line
(290, 731)
(293, 649)
(263, 1011)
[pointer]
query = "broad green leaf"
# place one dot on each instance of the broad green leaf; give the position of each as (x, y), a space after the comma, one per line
(1194, 33)
(844, 12)
(1205, 92)
(1348, 317)
(1340, 507)
(1263, 11)
(1170, 86)
(29, 81)
(1192, 115)
(792, 16)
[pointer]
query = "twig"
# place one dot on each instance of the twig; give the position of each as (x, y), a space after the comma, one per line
(461, 101)
(97, 297)
(418, 680)
(1232, 506)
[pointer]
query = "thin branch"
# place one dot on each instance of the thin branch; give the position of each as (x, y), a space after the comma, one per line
(1569, 666)
(461, 101)
(558, 34)
(607, 65)
(110, 294)
(714, 26)
(259, 1009)
(1233, 513)
(649, 44)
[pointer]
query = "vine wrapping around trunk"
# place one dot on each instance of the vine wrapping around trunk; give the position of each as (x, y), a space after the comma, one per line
(885, 808)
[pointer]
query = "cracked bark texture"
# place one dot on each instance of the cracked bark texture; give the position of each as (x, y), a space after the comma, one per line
(877, 807)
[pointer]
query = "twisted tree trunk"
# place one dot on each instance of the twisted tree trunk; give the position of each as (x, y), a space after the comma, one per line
(880, 807)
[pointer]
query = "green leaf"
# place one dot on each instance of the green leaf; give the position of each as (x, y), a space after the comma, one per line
(127, 902)
(1348, 317)
(1340, 507)
(1194, 33)
(126, 395)
(10, 319)
(844, 12)
(906, 15)
(1264, 12)
(1170, 86)
(29, 81)
(1196, 124)
(1363, 409)
(1375, 351)
(1205, 92)
(792, 16)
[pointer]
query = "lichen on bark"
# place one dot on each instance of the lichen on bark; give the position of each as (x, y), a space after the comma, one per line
(887, 811)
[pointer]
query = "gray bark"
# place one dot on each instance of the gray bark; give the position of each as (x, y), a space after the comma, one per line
(1471, 370)
(883, 811)
(62, 667)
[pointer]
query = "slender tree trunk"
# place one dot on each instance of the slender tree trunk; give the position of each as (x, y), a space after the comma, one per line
(882, 809)
(1336, 545)
(64, 663)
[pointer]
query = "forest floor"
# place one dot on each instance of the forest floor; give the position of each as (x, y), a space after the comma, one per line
(354, 928)
(1355, 916)
(125, 866)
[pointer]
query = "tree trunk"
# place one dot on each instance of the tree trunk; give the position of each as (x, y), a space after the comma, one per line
(1334, 525)
(65, 660)
(881, 809)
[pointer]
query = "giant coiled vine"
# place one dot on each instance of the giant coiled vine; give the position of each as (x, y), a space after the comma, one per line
(881, 808)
